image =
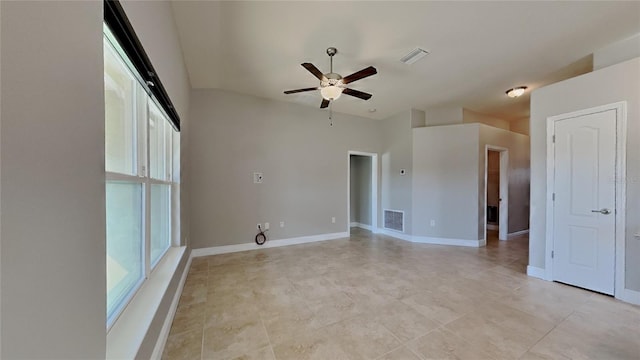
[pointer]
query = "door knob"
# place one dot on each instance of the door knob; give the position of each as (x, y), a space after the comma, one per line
(602, 211)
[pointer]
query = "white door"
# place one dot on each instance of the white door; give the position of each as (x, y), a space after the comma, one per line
(584, 206)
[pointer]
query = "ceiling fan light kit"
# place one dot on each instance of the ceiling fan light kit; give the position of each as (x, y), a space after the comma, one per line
(332, 85)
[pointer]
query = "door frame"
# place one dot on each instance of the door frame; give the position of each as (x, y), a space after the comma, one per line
(374, 188)
(503, 210)
(620, 191)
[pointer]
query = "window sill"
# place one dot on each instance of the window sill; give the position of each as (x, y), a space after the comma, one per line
(128, 332)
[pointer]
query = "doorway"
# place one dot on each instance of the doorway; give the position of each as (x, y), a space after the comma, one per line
(362, 193)
(585, 202)
(496, 191)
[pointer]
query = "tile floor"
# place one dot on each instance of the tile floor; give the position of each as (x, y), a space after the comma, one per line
(375, 297)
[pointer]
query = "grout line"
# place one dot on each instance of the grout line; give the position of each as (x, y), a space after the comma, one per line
(204, 315)
(547, 333)
(389, 352)
(268, 337)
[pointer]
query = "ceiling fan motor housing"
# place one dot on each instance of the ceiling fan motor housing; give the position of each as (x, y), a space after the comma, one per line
(331, 79)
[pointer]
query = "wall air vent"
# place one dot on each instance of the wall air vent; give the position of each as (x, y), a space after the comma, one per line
(413, 56)
(394, 220)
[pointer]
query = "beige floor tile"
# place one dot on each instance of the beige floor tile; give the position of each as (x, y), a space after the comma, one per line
(188, 317)
(441, 344)
(373, 297)
(193, 294)
(199, 265)
(333, 309)
(361, 337)
(439, 307)
(311, 345)
(234, 338)
(402, 353)
(184, 346)
(511, 331)
(404, 322)
(265, 353)
(288, 324)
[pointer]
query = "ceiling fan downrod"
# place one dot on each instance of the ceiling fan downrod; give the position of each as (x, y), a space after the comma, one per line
(331, 51)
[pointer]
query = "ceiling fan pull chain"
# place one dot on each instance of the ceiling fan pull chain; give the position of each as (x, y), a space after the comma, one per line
(331, 115)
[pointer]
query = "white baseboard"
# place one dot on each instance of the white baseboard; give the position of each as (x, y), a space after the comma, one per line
(395, 234)
(215, 250)
(630, 296)
(493, 227)
(166, 327)
(432, 240)
(536, 272)
(447, 241)
(517, 233)
(361, 226)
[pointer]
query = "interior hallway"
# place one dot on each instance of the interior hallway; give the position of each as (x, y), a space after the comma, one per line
(375, 297)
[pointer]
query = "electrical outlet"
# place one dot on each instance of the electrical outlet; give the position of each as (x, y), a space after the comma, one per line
(333, 220)
(266, 226)
(257, 178)
(432, 223)
(281, 223)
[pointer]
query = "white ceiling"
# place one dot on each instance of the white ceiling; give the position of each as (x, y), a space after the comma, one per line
(478, 49)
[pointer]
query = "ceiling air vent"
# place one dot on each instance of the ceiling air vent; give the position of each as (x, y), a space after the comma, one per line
(414, 56)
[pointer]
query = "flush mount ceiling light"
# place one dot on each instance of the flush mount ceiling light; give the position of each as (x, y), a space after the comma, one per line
(515, 92)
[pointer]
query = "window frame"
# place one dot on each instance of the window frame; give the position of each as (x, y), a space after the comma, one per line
(142, 175)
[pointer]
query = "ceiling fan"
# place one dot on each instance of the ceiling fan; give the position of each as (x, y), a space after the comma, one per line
(332, 85)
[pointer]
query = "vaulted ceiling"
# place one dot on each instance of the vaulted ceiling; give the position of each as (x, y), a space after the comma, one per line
(478, 49)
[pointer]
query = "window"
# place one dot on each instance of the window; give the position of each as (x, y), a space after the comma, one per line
(140, 147)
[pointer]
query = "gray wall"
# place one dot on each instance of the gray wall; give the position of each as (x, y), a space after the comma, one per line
(396, 153)
(448, 179)
(605, 86)
(445, 181)
(303, 159)
(517, 170)
(52, 172)
(52, 210)
(360, 189)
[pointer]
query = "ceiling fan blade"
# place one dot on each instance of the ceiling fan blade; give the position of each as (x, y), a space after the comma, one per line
(314, 70)
(324, 103)
(300, 90)
(356, 93)
(359, 75)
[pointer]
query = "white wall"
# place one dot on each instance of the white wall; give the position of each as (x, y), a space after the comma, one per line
(518, 175)
(396, 189)
(619, 51)
(303, 159)
(52, 210)
(445, 181)
(611, 84)
(476, 117)
(443, 115)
